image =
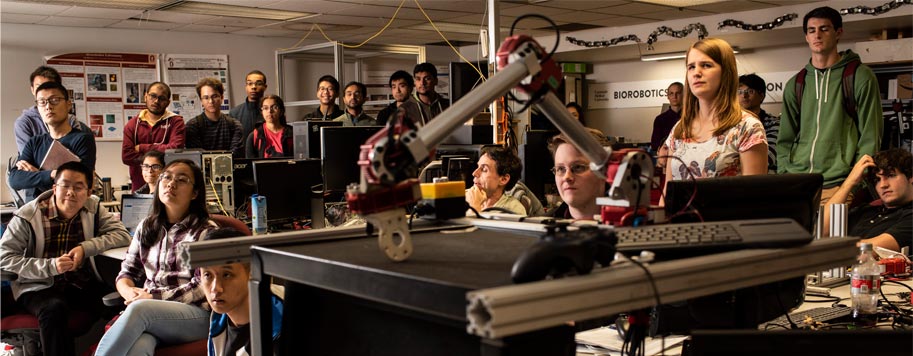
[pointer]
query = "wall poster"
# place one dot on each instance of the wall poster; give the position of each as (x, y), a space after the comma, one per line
(106, 88)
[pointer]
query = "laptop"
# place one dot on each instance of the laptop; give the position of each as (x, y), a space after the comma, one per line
(133, 209)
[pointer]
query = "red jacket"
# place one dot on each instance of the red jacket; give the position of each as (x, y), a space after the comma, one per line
(167, 133)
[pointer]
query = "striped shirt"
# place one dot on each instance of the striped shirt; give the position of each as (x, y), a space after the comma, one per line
(221, 135)
(60, 235)
(162, 264)
(772, 129)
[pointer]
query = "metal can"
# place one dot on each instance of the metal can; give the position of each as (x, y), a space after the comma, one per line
(258, 210)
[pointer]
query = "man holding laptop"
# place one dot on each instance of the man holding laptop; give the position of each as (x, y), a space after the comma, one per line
(37, 168)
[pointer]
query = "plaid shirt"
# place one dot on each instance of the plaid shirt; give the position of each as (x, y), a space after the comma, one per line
(60, 235)
(162, 265)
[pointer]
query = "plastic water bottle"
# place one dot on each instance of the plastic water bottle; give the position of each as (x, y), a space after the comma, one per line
(865, 286)
(258, 210)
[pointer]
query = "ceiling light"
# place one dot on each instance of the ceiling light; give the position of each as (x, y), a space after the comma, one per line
(671, 55)
(680, 3)
(205, 8)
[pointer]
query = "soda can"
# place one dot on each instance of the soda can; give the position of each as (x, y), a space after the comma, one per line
(258, 210)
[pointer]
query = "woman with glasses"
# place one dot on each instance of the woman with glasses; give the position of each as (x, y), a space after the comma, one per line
(576, 183)
(273, 137)
(170, 308)
(714, 137)
(153, 163)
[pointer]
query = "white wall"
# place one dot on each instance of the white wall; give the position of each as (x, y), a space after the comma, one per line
(23, 47)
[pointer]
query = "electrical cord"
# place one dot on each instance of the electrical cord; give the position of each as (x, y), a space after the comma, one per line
(446, 40)
(550, 22)
(830, 299)
(535, 96)
(655, 298)
(685, 209)
(218, 200)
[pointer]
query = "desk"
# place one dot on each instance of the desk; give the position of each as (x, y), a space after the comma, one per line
(347, 298)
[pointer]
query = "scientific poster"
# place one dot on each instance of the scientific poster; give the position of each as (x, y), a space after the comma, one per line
(183, 71)
(106, 88)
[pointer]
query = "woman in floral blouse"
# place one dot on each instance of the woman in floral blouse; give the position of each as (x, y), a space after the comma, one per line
(714, 137)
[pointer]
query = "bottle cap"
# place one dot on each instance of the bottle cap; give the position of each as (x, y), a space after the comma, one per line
(865, 246)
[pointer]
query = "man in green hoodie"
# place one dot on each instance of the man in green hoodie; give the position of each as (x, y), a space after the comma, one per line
(817, 133)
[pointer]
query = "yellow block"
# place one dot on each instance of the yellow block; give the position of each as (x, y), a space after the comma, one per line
(443, 190)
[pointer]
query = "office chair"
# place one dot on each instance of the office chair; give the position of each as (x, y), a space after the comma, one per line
(18, 195)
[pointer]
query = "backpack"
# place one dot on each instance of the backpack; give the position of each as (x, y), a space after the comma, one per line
(848, 83)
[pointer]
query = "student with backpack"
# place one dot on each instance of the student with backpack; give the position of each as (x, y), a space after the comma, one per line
(831, 109)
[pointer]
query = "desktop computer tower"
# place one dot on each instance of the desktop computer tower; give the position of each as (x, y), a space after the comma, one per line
(218, 179)
(306, 137)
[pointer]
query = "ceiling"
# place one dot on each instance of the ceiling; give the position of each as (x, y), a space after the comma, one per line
(353, 21)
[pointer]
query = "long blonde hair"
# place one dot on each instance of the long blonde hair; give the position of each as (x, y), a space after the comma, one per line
(727, 107)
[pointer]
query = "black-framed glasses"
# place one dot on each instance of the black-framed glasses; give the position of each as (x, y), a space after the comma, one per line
(157, 98)
(151, 167)
(258, 83)
(576, 169)
(54, 100)
(747, 91)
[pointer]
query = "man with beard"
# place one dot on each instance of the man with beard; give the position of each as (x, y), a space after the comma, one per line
(354, 98)
(155, 128)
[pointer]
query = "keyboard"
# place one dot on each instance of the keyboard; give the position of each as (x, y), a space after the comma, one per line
(821, 315)
(695, 239)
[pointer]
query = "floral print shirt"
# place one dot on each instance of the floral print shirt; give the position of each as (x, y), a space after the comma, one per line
(718, 156)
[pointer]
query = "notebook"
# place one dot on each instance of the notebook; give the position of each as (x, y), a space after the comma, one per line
(57, 155)
(133, 209)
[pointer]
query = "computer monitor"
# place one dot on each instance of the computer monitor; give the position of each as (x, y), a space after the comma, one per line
(194, 155)
(244, 184)
(307, 137)
(464, 78)
(537, 162)
(133, 209)
(287, 186)
(340, 147)
(796, 196)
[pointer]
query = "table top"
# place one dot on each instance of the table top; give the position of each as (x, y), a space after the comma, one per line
(444, 266)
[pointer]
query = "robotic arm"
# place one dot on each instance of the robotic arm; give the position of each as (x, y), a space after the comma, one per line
(390, 160)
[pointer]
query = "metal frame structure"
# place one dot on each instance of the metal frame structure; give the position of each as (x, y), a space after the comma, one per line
(338, 57)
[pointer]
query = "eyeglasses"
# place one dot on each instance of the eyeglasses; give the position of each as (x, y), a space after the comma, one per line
(78, 188)
(214, 97)
(576, 169)
(271, 108)
(178, 180)
(153, 167)
(54, 100)
(747, 91)
(326, 89)
(258, 83)
(156, 98)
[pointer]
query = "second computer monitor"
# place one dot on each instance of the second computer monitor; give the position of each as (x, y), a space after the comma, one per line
(794, 196)
(340, 147)
(287, 186)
